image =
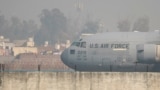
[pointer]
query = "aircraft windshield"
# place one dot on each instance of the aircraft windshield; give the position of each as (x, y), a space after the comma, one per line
(76, 44)
(79, 44)
(83, 44)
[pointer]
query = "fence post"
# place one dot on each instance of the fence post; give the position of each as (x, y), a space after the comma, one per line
(75, 68)
(0, 67)
(147, 68)
(3, 67)
(39, 67)
(111, 68)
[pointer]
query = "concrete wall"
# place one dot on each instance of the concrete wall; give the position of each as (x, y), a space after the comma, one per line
(20, 50)
(79, 81)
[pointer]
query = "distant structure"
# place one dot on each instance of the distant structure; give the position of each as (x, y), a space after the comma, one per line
(5, 46)
(57, 46)
(55, 49)
(22, 50)
(19, 43)
(61, 46)
(46, 44)
(2, 39)
(30, 42)
(68, 43)
(26, 48)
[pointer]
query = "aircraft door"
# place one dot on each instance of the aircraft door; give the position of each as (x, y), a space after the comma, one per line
(148, 53)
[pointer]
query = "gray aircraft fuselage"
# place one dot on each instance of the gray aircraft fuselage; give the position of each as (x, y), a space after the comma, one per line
(115, 51)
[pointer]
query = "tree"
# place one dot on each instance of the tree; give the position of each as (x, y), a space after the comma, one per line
(91, 27)
(29, 28)
(15, 29)
(3, 25)
(142, 24)
(53, 24)
(124, 25)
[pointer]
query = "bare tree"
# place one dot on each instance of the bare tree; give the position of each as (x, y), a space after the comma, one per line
(16, 29)
(124, 25)
(142, 24)
(91, 27)
(53, 25)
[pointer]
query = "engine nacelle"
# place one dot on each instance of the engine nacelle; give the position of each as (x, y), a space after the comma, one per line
(148, 53)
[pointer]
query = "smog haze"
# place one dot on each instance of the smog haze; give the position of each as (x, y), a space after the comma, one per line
(109, 15)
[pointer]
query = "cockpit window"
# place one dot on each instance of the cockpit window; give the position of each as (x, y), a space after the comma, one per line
(76, 44)
(83, 44)
(79, 44)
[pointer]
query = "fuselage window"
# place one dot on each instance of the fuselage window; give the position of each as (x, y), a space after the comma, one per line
(83, 44)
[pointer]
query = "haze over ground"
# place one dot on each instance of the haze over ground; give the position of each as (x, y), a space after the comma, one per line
(107, 11)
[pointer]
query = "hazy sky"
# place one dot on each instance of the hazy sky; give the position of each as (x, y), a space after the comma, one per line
(108, 11)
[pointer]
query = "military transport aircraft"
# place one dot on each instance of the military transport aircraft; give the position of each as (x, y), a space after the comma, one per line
(115, 51)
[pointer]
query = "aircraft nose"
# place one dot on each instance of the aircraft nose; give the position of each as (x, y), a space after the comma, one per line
(64, 56)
